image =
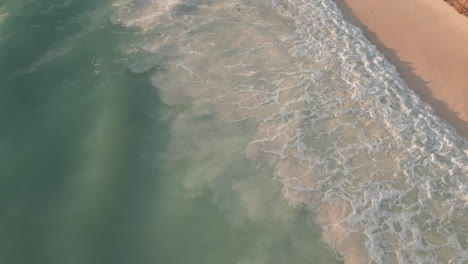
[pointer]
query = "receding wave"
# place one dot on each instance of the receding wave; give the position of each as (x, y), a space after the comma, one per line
(315, 101)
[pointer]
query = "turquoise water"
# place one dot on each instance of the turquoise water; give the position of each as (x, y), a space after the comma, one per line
(90, 173)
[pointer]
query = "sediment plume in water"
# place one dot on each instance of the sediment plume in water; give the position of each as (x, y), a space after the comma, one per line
(312, 99)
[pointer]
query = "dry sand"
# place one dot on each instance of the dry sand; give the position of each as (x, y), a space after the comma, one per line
(427, 40)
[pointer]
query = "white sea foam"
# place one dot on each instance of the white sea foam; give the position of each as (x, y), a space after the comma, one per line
(386, 178)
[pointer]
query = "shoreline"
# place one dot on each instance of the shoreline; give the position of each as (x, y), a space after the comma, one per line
(430, 54)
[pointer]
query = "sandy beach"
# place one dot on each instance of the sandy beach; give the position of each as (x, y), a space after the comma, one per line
(427, 40)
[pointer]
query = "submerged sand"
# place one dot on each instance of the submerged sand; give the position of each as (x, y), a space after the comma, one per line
(428, 43)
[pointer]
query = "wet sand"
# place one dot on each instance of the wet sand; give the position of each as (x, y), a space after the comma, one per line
(427, 41)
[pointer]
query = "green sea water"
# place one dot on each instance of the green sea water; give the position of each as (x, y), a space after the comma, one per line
(92, 170)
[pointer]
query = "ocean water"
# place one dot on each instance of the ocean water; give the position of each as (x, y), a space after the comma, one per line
(90, 171)
(202, 131)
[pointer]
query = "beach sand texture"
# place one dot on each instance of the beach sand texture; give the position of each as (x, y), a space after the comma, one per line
(428, 43)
